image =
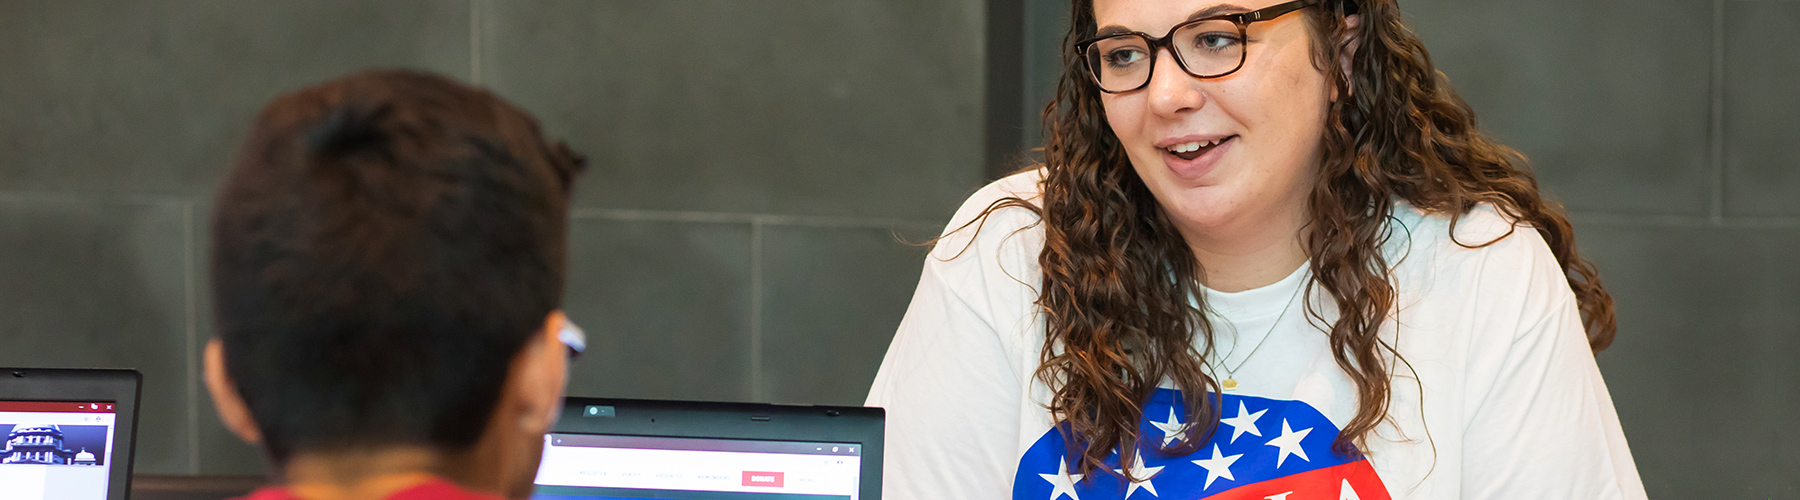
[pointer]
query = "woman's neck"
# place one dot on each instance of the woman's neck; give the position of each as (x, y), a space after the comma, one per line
(1236, 272)
(1251, 255)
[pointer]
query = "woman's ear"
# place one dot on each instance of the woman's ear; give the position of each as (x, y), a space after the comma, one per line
(230, 404)
(1352, 38)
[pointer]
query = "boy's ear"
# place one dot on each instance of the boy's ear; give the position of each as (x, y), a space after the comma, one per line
(539, 375)
(230, 405)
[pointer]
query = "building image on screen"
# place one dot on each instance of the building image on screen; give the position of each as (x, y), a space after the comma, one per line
(55, 450)
(52, 444)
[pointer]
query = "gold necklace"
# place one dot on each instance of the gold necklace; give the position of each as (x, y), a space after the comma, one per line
(1230, 383)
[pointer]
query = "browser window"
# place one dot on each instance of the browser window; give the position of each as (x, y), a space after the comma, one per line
(596, 467)
(56, 449)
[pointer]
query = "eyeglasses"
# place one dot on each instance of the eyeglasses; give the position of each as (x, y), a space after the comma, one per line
(1205, 48)
(572, 337)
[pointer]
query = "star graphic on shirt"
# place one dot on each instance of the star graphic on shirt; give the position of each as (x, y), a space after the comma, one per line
(1243, 422)
(1348, 493)
(1289, 443)
(1172, 429)
(1139, 470)
(1217, 467)
(1062, 482)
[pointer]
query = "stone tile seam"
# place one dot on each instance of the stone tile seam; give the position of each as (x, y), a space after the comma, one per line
(191, 285)
(475, 42)
(1683, 221)
(578, 213)
(743, 218)
(1716, 128)
(71, 197)
(757, 393)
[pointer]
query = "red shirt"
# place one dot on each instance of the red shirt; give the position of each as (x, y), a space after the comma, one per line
(437, 489)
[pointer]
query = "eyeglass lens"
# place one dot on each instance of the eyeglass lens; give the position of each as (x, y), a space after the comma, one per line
(1208, 49)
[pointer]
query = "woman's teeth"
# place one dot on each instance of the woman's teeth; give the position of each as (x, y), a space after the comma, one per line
(1192, 150)
(1189, 147)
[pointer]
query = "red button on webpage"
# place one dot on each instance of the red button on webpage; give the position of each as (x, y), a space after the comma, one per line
(770, 479)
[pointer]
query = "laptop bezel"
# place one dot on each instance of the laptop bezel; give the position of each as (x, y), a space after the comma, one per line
(121, 387)
(751, 421)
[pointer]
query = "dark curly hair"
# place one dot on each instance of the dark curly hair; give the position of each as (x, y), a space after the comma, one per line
(1118, 279)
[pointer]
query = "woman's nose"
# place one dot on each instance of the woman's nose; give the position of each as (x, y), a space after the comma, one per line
(1171, 90)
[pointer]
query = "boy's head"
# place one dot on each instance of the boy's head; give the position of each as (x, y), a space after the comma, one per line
(387, 263)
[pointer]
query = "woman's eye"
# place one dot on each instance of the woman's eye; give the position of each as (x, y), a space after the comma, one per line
(1216, 41)
(1124, 57)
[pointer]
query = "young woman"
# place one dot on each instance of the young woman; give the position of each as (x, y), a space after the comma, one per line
(1268, 255)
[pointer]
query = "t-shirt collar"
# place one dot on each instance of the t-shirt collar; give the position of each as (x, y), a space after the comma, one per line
(1256, 303)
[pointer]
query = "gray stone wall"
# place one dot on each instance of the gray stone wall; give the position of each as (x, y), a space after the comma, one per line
(754, 166)
(1668, 128)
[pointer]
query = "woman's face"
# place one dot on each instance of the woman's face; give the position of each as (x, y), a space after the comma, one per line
(1266, 120)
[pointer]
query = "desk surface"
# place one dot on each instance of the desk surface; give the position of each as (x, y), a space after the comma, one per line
(185, 487)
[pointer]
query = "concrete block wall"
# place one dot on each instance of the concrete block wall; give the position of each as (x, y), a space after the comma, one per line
(1668, 128)
(753, 168)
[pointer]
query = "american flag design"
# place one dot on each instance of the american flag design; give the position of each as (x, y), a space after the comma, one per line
(1263, 449)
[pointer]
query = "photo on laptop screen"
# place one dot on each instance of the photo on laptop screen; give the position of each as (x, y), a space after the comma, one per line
(606, 467)
(56, 449)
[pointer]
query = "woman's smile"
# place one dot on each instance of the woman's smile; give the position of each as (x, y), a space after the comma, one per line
(1192, 157)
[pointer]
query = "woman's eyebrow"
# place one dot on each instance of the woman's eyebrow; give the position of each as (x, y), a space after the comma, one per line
(1216, 10)
(1111, 30)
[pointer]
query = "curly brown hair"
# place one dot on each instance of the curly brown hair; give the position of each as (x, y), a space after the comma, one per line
(1121, 289)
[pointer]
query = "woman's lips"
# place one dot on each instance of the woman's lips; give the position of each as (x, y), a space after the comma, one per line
(1196, 163)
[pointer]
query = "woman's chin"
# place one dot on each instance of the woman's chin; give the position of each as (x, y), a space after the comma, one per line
(1200, 210)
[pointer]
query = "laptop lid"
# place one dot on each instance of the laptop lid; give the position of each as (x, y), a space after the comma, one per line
(69, 433)
(605, 449)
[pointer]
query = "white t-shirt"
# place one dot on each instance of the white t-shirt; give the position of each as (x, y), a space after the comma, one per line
(1503, 399)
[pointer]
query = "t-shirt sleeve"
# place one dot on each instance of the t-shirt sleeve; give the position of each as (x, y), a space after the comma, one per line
(1541, 423)
(951, 401)
(952, 380)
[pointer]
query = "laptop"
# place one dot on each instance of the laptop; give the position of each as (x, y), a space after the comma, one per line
(69, 433)
(609, 449)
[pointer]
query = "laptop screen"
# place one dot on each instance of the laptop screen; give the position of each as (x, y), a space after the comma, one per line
(56, 449)
(594, 467)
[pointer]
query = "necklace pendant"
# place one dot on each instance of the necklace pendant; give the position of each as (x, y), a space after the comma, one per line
(1229, 384)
